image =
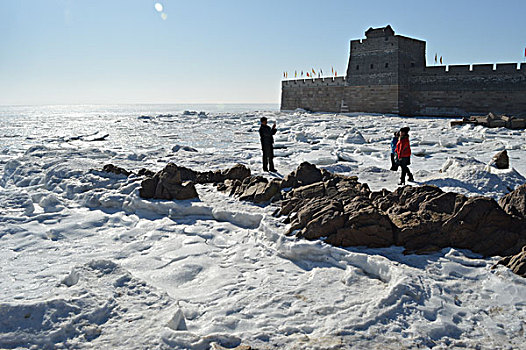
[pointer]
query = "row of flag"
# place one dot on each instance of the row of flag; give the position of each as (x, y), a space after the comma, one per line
(310, 74)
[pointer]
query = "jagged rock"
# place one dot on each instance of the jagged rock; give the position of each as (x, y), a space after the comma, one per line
(237, 172)
(305, 174)
(501, 160)
(270, 191)
(146, 172)
(484, 227)
(514, 203)
(168, 184)
(254, 188)
(110, 168)
(516, 263)
(347, 213)
(148, 186)
(365, 225)
(320, 218)
(256, 184)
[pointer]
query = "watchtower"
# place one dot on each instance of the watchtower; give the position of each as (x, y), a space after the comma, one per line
(378, 67)
(382, 57)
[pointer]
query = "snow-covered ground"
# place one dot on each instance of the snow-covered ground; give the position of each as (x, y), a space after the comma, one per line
(86, 263)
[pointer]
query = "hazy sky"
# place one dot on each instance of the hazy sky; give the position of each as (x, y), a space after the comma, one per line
(126, 51)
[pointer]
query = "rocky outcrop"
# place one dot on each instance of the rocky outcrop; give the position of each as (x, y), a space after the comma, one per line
(168, 184)
(305, 174)
(344, 212)
(237, 172)
(337, 210)
(256, 189)
(176, 182)
(516, 263)
(514, 203)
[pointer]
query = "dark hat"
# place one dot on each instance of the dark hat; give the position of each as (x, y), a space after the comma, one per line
(405, 129)
(263, 119)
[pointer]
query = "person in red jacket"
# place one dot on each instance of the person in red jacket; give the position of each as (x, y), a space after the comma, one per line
(403, 152)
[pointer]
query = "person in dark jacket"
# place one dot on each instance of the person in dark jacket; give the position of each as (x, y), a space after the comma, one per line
(403, 151)
(394, 159)
(266, 134)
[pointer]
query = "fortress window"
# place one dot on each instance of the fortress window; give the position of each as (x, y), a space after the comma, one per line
(372, 66)
(412, 64)
(387, 65)
(357, 67)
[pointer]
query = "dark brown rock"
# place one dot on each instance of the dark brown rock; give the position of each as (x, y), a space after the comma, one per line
(484, 227)
(365, 225)
(148, 186)
(501, 160)
(305, 174)
(237, 172)
(516, 263)
(110, 168)
(320, 218)
(271, 190)
(146, 172)
(167, 184)
(514, 203)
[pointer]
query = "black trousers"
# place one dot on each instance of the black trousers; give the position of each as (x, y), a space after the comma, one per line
(268, 157)
(394, 164)
(404, 164)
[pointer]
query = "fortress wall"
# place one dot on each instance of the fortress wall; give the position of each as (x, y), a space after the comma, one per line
(464, 103)
(326, 96)
(465, 90)
(372, 98)
(320, 95)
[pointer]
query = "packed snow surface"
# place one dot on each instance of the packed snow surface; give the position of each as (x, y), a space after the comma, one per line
(86, 263)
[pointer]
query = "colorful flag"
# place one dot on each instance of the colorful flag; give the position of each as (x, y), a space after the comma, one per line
(295, 74)
(332, 70)
(440, 59)
(436, 58)
(313, 71)
(302, 73)
(307, 74)
(524, 52)
(321, 71)
(335, 73)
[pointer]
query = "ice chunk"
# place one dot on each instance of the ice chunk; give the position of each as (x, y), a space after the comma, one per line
(177, 322)
(351, 136)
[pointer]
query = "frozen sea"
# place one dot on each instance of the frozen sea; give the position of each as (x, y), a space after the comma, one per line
(85, 263)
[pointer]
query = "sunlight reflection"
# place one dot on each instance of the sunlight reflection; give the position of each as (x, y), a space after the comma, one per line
(159, 7)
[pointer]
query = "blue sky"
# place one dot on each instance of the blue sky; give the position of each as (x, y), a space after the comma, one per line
(222, 51)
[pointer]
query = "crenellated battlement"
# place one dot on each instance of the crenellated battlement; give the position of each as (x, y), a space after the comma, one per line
(316, 82)
(474, 69)
(387, 73)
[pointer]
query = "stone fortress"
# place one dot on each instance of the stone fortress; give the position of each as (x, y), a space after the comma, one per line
(387, 73)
